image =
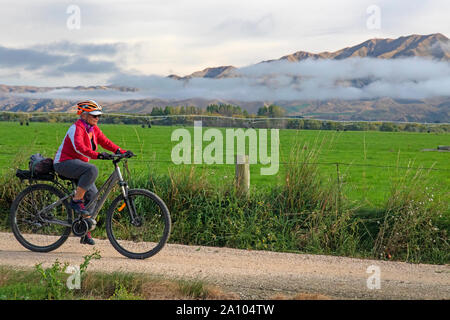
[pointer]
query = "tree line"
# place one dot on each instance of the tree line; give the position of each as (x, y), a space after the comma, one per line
(266, 117)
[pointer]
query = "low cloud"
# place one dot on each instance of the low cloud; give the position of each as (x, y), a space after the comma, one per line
(106, 94)
(356, 78)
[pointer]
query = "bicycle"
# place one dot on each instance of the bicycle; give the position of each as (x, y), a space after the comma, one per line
(137, 222)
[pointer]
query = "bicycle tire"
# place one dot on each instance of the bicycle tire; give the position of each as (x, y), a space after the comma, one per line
(60, 234)
(159, 219)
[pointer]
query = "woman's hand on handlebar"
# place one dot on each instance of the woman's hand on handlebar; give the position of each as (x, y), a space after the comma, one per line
(108, 156)
(129, 154)
(105, 156)
(124, 154)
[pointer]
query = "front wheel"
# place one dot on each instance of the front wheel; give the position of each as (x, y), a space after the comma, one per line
(150, 230)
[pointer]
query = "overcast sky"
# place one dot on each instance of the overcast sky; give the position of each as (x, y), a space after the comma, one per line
(41, 44)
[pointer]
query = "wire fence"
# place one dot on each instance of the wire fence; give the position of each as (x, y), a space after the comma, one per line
(322, 163)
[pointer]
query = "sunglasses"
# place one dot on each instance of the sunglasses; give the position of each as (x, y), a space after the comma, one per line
(96, 116)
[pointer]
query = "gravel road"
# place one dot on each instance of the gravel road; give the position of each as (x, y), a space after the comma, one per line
(254, 274)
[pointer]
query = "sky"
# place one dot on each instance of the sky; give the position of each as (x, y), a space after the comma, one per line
(98, 42)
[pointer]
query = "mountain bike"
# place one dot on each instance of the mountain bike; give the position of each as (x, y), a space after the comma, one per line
(137, 221)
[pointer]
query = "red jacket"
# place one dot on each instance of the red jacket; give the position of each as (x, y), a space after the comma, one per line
(77, 144)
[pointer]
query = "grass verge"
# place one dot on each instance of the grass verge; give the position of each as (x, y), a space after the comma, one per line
(26, 284)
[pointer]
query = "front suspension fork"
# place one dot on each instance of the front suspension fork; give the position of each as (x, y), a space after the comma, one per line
(129, 203)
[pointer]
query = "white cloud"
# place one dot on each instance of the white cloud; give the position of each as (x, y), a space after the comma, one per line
(410, 78)
(184, 35)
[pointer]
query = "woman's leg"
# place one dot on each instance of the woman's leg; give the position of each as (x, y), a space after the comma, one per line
(86, 174)
(89, 196)
(79, 193)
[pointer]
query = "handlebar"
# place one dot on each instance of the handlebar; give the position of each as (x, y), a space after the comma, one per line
(118, 157)
(123, 155)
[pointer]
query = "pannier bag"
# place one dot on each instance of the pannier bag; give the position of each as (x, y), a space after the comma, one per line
(40, 165)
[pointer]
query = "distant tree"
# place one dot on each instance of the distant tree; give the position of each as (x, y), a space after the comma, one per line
(387, 126)
(263, 111)
(273, 111)
(313, 124)
(411, 127)
(276, 111)
(328, 125)
(157, 111)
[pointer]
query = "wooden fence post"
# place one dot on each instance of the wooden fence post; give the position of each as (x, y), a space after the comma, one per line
(242, 174)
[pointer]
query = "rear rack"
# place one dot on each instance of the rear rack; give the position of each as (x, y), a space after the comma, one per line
(26, 175)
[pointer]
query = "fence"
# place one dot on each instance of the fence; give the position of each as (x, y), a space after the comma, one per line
(343, 174)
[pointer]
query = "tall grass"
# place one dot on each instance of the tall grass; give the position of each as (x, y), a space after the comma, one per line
(415, 222)
(307, 213)
(324, 220)
(10, 185)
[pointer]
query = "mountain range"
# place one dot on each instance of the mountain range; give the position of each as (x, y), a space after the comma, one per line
(434, 47)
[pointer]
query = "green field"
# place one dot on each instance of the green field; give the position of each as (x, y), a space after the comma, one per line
(368, 161)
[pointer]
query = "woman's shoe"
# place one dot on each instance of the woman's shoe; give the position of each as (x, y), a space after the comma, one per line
(78, 207)
(87, 239)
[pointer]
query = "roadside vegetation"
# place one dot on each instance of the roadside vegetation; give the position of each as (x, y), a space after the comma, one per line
(51, 283)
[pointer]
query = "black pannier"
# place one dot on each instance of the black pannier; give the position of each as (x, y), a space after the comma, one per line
(40, 165)
(41, 168)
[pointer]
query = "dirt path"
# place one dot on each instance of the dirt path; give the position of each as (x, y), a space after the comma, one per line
(254, 274)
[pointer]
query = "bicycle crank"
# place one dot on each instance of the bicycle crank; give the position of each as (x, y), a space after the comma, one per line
(81, 226)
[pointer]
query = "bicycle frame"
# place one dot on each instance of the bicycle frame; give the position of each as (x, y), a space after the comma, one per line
(115, 177)
(106, 188)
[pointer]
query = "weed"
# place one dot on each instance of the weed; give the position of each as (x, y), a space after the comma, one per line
(87, 259)
(121, 293)
(193, 289)
(52, 279)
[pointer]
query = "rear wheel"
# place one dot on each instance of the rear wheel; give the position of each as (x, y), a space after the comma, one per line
(148, 234)
(36, 232)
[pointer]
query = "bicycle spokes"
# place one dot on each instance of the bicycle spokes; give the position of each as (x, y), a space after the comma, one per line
(39, 219)
(138, 225)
